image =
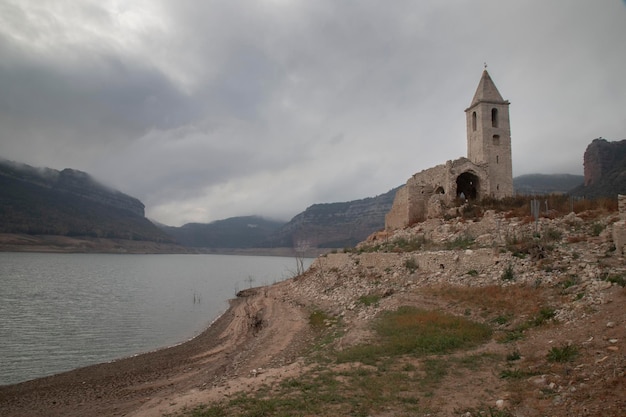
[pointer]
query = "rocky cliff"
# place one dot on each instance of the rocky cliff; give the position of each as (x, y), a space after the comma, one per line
(605, 169)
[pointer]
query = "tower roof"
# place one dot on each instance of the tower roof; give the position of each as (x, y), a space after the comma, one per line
(487, 91)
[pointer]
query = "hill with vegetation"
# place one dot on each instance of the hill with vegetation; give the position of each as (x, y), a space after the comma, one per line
(232, 233)
(336, 225)
(537, 184)
(43, 201)
(329, 225)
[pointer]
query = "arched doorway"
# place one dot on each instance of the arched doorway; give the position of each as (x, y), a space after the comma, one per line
(467, 184)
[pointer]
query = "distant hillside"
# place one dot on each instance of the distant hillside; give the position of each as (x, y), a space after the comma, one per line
(235, 232)
(533, 184)
(336, 225)
(331, 225)
(605, 170)
(43, 201)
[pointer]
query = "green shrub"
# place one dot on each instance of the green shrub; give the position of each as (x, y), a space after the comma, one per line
(552, 234)
(565, 353)
(411, 265)
(596, 229)
(508, 274)
(615, 279)
(545, 314)
(570, 281)
(513, 356)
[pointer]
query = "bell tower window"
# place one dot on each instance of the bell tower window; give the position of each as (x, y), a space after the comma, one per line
(494, 117)
(474, 121)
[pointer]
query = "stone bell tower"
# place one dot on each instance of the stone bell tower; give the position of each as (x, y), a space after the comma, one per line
(489, 137)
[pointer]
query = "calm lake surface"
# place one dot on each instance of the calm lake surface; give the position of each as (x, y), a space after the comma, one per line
(63, 311)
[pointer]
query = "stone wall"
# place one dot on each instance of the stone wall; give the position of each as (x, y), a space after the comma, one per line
(429, 262)
(427, 192)
(398, 216)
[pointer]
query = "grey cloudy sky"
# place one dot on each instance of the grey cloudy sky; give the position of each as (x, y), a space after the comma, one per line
(211, 109)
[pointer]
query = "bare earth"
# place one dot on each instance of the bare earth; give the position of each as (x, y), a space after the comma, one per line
(265, 337)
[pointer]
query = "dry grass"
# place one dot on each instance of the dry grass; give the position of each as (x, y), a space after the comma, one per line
(493, 299)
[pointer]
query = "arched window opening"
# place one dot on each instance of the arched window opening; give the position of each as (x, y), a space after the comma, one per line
(494, 117)
(474, 120)
(496, 140)
(467, 186)
(497, 159)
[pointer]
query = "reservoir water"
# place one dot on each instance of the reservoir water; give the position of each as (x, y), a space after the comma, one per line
(63, 311)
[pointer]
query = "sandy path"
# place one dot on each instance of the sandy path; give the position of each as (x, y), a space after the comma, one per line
(262, 329)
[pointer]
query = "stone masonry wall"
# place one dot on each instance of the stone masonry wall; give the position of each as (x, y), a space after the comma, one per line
(456, 262)
(398, 216)
(414, 202)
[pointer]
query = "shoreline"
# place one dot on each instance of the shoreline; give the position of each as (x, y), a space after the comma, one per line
(10, 242)
(100, 382)
(134, 355)
(262, 327)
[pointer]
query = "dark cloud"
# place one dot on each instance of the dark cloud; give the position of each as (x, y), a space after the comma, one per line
(211, 109)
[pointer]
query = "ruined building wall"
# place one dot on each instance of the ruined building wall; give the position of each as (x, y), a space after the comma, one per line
(415, 201)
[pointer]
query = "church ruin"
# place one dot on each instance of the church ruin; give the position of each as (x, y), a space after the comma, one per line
(487, 170)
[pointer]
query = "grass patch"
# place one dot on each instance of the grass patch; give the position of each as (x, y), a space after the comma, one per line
(544, 315)
(570, 281)
(514, 356)
(369, 300)
(411, 265)
(398, 245)
(502, 319)
(461, 242)
(403, 385)
(513, 374)
(412, 331)
(615, 279)
(510, 300)
(564, 353)
(485, 411)
(318, 319)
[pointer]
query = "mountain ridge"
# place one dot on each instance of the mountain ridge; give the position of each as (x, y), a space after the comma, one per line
(44, 201)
